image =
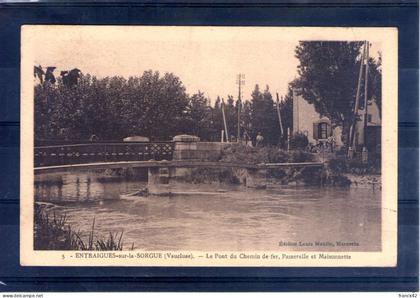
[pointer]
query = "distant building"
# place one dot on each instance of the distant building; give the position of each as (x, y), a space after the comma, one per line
(318, 129)
(372, 139)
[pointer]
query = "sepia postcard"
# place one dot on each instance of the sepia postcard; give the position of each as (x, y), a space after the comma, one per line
(208, 146)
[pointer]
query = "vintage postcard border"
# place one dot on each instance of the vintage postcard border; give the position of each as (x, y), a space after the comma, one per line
(388, 37)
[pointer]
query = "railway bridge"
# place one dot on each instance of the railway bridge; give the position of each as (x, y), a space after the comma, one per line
(163, 160)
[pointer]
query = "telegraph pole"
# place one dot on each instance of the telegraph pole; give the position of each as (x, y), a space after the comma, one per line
(224, 120)
(240, 80)
(365, 120)
(278, 114)
(356, 104)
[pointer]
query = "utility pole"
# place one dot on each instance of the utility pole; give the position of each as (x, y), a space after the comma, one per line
(356, 104)
(365, 120)
(224, 120)
(240, 80)
(278, 114)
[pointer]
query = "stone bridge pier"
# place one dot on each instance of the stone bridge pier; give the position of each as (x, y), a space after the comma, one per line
(190, 153)
(161, 180)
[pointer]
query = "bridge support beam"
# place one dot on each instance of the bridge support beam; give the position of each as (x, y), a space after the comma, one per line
(159, 180)
(252, 178)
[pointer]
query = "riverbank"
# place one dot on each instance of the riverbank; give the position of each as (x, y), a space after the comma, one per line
(241, 154)
(337, 171)
(358, 174)
(52, 232)
(365, 181)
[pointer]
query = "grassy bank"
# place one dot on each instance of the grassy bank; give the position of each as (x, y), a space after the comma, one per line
(336, 172)
(52, 232)
(355, 172)
(256, 155)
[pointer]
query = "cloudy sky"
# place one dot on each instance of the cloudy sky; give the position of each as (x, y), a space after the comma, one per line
(205, 58)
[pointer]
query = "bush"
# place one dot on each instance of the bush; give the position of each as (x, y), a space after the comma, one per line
(254, 155)
(311, 175)
(338, 165)
(300, 156)
(208, 175)
(353, 166)
(337, 180)
(299, 141)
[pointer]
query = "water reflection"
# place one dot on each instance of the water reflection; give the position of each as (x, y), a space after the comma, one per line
(240, 219)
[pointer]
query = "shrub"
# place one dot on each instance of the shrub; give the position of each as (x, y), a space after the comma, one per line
(208, 175)
(254, 155)
(311, 175)
(300, 156)
(299, 141)
(355, 166)
(338, 165)
(337, 180)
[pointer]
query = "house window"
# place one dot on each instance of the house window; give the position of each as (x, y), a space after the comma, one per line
(369, 118)
(322, 130)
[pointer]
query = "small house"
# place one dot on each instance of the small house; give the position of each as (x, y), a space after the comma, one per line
(319, 128)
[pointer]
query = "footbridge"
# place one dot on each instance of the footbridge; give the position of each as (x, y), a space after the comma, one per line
(164, 161)
(171, 164)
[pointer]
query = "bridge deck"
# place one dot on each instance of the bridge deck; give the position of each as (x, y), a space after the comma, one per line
(163, 164)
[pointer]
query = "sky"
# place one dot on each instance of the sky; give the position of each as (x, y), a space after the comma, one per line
(206, 59)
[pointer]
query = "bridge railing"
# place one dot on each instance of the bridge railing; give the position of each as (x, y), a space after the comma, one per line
(101, 152)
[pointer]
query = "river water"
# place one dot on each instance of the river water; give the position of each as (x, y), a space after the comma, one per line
(281, 218)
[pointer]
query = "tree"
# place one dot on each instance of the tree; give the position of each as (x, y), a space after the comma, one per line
(263, 116)
(111, 108)
(246, 119)
(49, 75)
(231, 116)
(286, 111)
(199, 116)
(328, 75)
(71, 78)
(217, 119)
(39, 73)
(155, 106)
(375, 81)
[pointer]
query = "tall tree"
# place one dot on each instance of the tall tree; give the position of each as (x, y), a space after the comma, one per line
(199, 116)
(217, 119)
(71, 78)
(328, 74)
(263, 116)
(286, 111)
(39, 73)
(231, 117)
(49, 75)
(375, 81)
(155, 106)
(246, 119)
(110, 108)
